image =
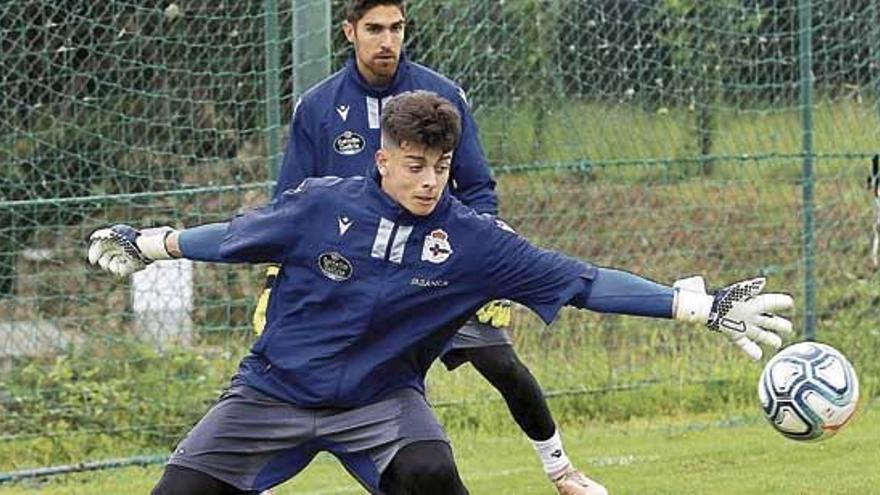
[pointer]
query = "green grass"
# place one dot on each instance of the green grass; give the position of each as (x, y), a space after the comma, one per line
(678, 455)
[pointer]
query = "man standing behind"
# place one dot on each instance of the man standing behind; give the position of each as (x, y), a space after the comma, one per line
(335, 131)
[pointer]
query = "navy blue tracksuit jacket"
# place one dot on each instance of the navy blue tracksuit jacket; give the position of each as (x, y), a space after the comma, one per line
(335, 131)
(368, 294)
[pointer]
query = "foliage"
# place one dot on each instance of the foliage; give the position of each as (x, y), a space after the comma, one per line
(101, 401)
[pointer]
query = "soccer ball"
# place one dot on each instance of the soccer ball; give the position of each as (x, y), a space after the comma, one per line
(808, 391)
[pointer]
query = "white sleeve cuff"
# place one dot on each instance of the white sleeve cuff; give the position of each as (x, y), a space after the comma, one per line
(691, 306)
(692, 303)
(151, 242)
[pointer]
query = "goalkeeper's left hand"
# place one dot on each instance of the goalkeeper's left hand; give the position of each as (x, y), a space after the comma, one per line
(123, 250)
(496, 313)
(739, 311)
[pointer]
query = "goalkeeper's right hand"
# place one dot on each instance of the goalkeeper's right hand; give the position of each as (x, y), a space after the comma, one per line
(496, 313)
(123, 250)
(259, 318)
(738, 311)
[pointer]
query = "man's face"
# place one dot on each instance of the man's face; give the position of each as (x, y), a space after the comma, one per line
(414, 176)
(377, 38)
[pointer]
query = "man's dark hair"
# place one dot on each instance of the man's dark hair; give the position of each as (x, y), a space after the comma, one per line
(422, 118)
(356, 9)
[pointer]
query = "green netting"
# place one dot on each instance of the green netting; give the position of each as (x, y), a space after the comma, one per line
(123, 111)
(667, 137)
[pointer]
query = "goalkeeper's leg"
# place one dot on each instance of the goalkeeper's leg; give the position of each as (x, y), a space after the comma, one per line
(422, 468)
(179, 480)
(503, 369)
(500, 365)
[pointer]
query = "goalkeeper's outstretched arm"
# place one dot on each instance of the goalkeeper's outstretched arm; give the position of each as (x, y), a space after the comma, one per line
(123, 250)
(545, 280)
(740, 311)
(199, 243)
(262, 235)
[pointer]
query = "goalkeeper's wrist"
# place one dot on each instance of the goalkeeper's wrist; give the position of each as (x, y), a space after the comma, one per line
(692, 307)
(151, 242)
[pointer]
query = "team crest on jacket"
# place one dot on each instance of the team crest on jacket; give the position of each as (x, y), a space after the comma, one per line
(436, 248)
(349, 143)
(334, 266)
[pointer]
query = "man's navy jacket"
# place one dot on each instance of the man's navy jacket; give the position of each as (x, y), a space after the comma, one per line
(335, 131)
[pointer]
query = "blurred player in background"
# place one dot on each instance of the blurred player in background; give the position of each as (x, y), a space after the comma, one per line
(335, 132)
(363, 307)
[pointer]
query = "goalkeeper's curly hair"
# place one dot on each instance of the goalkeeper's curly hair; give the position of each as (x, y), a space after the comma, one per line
(356, 9)
(422, 118)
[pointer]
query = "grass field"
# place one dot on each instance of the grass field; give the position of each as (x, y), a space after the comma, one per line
(670, 455)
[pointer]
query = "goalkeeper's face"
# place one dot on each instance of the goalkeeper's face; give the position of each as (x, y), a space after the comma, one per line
(377, 38)
(414, 175)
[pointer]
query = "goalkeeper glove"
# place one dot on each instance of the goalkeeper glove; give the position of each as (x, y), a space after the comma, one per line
(259, 318)
(738, 311)
(496, 313)
(123, 250)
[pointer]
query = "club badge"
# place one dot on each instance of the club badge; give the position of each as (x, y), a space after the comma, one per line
(436, 248)
(335, 267)
(349, 143)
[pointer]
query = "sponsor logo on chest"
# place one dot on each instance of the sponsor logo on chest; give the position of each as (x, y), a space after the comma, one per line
(349, 143)
(335, 267)
(428, 283)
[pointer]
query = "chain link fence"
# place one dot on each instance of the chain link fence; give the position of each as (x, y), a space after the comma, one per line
(728, 138)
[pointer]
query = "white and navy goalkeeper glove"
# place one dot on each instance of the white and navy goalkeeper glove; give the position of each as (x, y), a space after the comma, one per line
(123, 250)
(739, 311)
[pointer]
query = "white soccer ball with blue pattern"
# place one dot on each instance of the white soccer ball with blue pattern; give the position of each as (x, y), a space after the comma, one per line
(808, 391)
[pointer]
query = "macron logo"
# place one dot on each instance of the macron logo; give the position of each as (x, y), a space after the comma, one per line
(342, 110)
(344, 224)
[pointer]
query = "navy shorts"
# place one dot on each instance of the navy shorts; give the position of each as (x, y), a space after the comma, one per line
(254, 441)
(472, 335)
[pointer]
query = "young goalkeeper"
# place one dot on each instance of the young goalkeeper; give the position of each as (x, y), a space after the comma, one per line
(377, 274)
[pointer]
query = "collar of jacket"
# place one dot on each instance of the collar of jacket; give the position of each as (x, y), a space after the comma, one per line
(377, 91)
(391, 209)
